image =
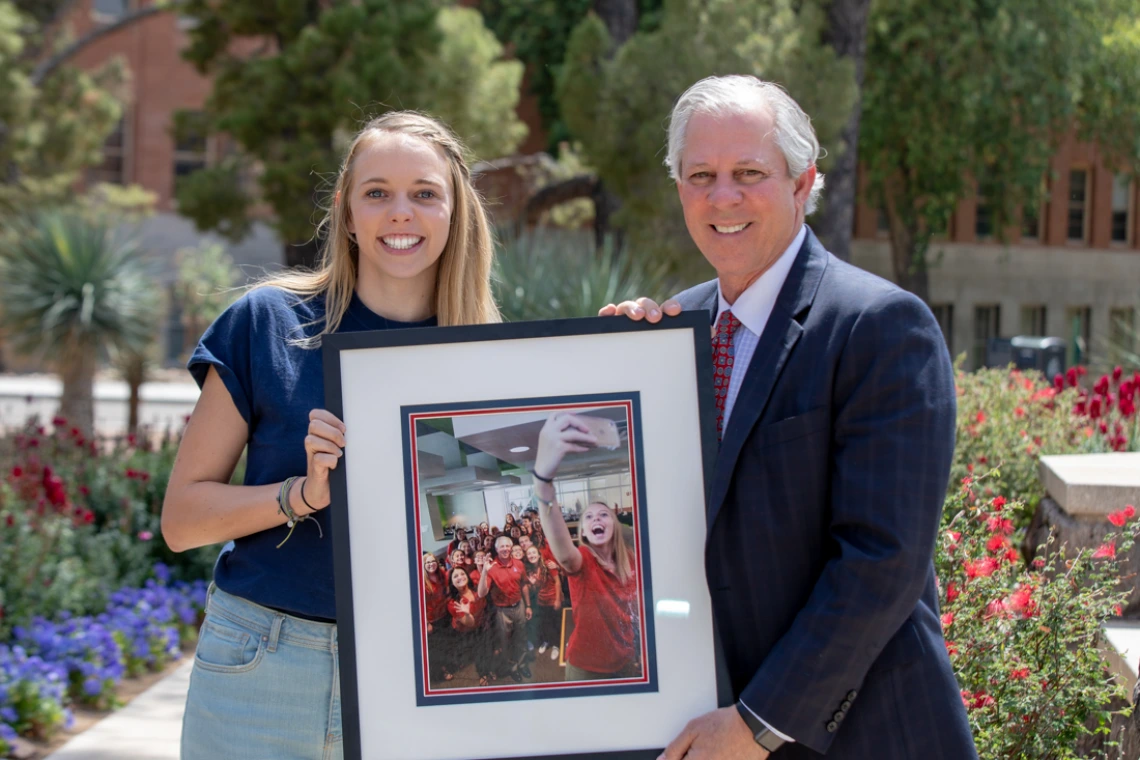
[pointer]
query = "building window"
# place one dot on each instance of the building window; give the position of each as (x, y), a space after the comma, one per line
(1121, 205)
(987, 324)
(108, 11)
(1122, 335)
(112, 169)
(983, 221)
(1033, 320)
(944, 313)
(189, 143)
(1079, 336)
(1078, 201)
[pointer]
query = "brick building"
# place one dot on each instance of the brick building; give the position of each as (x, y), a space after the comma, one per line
(1073, 270)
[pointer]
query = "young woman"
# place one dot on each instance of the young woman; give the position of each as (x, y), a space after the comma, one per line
(603, 580)
(470, 642)
(508, 522)
(406, 244)
(435, 606)
(546, 600)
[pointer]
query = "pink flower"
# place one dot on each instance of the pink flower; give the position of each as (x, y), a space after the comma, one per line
(947, 619)
(145, 535)
(996, 544)
(981, 417)
(999, 502)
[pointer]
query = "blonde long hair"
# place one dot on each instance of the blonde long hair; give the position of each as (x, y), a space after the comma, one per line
(623, 557)
(463, 287)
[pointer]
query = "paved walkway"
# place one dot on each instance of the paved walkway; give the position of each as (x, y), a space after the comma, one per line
(149, 728)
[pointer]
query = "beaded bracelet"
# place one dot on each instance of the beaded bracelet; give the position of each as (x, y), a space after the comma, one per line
(291, 518)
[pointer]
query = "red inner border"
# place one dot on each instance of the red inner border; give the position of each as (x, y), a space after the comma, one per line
(428, 691)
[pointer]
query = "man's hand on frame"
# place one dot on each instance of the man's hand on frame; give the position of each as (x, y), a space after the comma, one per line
(718, 735)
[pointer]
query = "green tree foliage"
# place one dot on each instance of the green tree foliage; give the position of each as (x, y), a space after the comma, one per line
(73, 288)
(52, 129)
(293, 79)
(537, 32)
(618, 107)
(980, 93)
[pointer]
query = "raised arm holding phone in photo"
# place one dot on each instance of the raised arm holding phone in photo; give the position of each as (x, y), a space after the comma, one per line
(601, 572)
(835, 403)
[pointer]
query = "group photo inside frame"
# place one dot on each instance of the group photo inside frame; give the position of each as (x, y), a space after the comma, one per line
(435, 496)
(472, 513)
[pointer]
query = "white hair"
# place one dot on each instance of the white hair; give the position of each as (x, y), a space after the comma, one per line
(739, 94)
(500, 539)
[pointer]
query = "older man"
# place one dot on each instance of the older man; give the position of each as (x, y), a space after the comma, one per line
(503, 578)
(835, 406)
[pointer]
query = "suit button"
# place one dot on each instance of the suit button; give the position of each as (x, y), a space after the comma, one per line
(845, 705)
(832, 726)
(839, 716)
(851, 695)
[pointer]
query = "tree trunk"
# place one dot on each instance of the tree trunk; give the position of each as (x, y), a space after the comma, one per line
(908, 256)
(620, 18)
(77, 404)
(303, 254)
(847, 34)
(134, 371)
(606, 204)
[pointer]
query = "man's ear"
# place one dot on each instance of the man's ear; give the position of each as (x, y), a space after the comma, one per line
(804, 184)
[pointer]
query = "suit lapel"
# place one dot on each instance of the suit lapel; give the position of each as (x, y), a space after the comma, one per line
(780, 336)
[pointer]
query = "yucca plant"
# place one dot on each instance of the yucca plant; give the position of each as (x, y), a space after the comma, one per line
(552, 273)
(71, 289)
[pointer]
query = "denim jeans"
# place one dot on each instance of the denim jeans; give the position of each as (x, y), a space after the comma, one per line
(265, 685)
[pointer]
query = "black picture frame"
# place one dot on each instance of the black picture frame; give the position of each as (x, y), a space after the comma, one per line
(335, 346)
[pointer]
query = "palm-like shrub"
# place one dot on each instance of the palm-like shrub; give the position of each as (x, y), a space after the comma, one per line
(549, 273)
(72, 288)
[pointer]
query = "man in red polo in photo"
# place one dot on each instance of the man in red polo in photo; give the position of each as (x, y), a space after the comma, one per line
(503, 578)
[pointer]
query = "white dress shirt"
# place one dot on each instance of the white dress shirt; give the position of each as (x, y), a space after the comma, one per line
(753, 308)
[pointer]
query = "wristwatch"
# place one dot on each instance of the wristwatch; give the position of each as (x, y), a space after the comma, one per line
(763, 735)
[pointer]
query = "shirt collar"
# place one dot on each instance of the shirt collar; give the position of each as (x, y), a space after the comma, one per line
(755, 304)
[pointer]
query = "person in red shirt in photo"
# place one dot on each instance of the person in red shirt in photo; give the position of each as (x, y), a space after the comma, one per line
(503, 578)
(469, 642)
(545, 590)
(435, 610)
(603, 580)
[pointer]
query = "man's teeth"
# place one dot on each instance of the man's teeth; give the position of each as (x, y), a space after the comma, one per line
(728, 230)
(401, 242)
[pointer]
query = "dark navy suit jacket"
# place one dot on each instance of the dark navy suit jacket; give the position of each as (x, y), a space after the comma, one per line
(823, 515)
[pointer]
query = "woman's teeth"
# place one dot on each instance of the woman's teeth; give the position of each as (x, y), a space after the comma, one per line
(401, 242)
(730, 230)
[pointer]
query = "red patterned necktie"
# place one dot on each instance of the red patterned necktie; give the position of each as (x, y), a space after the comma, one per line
(723, 351)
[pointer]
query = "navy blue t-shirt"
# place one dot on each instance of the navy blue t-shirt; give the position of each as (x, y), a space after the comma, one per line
(274, 385)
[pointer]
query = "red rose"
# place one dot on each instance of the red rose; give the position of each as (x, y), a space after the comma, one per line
(1106, 551)
(1118, 518)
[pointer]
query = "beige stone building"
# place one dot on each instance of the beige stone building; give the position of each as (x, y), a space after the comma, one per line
(1071, 271)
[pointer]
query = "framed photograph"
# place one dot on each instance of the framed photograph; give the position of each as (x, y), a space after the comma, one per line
(479, 620)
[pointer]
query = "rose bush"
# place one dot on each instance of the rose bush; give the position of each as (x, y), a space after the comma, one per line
(1008, 419)
(79, 518)
(1024, 640)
